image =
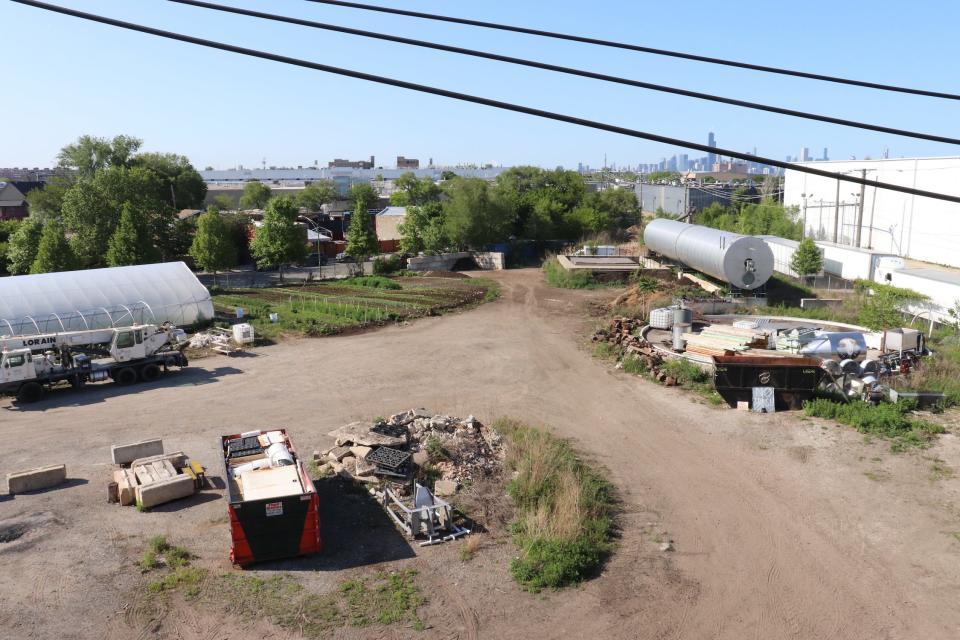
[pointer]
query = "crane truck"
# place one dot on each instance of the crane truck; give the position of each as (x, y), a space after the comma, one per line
(30, 364)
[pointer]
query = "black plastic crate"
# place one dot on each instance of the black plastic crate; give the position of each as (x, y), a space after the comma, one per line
(390, 459)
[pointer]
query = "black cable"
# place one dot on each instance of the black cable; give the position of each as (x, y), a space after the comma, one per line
(569, 71)
(640, 48)
(550, 115)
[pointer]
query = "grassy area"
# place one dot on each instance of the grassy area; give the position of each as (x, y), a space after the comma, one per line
(557, 276)
(564, 523)
(380, 599)
(886, 420)
(330, 308)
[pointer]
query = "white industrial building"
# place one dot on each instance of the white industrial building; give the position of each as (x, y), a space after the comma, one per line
(890, 222)
(97, 298)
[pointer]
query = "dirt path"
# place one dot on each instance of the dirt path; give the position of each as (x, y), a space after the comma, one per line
(782, 528)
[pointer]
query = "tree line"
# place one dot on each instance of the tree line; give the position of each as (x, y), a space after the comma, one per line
(523, 202)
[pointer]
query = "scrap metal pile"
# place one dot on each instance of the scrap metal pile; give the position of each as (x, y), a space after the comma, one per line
(459, 451)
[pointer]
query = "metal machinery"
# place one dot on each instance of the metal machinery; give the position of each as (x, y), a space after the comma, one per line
(31, 363)
(745, 262)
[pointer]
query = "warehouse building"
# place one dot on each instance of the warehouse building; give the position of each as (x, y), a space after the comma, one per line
(885, 221)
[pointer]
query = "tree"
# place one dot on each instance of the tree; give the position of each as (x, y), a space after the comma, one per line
(807, 259)
(255, 195)
(619, 205)
(90, 154)
(476, 214)
(223, 202)
(179, 184)
(361, 237)
(23, 244)
(279, 240)
(47, 202)
(213, 248)
(423, 229)
(130, 243)
(316, 194)
(54, 252)
(447, 175)
(414, 191)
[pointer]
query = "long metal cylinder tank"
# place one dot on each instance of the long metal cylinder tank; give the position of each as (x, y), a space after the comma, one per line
(745, 262)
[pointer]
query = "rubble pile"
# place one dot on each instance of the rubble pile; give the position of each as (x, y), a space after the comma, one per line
(392, 450)
(621, 334)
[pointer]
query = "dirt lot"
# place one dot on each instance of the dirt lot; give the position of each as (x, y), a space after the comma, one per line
(783, 527)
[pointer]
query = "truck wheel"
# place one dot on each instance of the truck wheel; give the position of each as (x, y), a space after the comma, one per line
(125, 376)
(150, 372)
(30, 392)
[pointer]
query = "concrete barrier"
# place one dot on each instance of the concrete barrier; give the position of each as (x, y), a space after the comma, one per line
(489, 260)
(486, 260)
(35, 479)
(157, 493)
(127, 453)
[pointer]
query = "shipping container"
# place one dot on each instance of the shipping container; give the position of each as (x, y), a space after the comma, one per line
(783, 250)
(942, 289)
(851, 263)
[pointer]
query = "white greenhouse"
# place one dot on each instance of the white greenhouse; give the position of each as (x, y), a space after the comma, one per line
(96, 298)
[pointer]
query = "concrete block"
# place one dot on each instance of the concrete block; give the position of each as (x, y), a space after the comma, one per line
(338, 453)
(360, 451)
(127, 453)
(421, 458)
(126, 492)
(163, 491)
(34, 479)
(178, 459)
(444, 487)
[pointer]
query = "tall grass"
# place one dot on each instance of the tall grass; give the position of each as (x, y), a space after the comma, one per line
(565, 510)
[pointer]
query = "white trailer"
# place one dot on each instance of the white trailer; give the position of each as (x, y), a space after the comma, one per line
(851, 263)
(30, 364)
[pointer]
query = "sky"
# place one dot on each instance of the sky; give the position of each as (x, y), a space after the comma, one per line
(64, 77)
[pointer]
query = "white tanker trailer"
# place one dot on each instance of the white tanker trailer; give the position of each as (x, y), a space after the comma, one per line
(745, 262)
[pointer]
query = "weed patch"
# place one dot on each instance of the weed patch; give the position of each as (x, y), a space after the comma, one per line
(565, 510)
(886, 420)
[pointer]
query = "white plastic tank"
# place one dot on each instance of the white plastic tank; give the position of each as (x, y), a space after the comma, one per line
(745, 262)
(661, 318)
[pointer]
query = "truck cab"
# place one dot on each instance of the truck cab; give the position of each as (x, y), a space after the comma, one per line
(17, 365)
(128, 344)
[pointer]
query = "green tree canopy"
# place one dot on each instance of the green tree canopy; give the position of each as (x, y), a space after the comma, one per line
(213, 247)
(361, 237)
(316, 194)
(476, 214)
(23, 244)
(90, 154)
(279, 241)
(414, 191)
(54, 252)
(620, 206)
(130, 243)
(807, 259)
(179, 183)
(223, 202)
(47, 201)
(423, 229)
(255, 195)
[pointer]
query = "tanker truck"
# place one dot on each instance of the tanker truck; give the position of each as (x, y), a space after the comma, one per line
(31, 364)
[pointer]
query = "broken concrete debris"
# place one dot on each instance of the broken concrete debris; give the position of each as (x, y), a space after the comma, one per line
(458, 450)
(149, 477)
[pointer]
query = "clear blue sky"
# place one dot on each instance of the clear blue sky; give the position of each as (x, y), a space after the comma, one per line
(64, 77)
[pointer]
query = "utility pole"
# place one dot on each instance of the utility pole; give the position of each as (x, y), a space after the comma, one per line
(873, 206)
(863, 189)
(803, 231)
(836, 215)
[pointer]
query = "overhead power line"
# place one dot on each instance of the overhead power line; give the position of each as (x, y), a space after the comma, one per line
(642, 49)
(568, 70)
(465, 97)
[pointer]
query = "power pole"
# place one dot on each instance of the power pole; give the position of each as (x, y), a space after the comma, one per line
(863, 189)
(873, 206)
(836, 215)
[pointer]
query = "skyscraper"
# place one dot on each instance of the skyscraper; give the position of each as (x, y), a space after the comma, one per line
(711, 157)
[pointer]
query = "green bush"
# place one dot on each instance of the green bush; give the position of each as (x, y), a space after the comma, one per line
(635, 365)
(387, 265)
(684, 371)
(557, 276)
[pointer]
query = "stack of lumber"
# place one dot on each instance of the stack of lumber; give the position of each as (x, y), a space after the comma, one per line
(724, 340)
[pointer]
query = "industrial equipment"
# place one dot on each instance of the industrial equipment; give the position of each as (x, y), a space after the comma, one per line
(745, 262)
(793, 379)
(30, 364)
(273, 506)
